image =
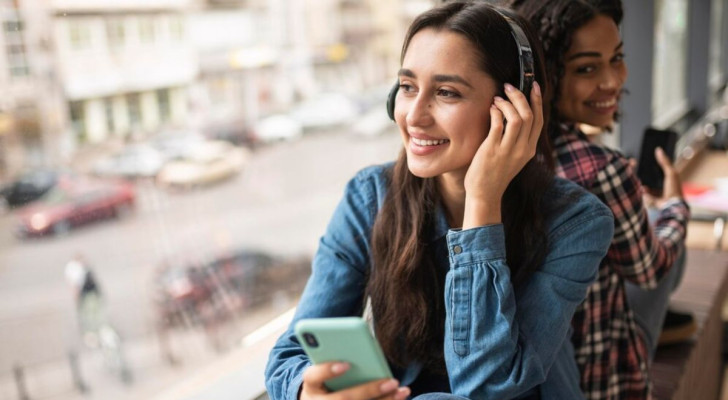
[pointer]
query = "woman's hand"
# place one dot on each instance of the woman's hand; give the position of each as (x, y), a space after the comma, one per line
(502, 155)
(313, 385)
(671, 186)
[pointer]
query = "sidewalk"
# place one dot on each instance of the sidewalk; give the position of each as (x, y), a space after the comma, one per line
(198, 370)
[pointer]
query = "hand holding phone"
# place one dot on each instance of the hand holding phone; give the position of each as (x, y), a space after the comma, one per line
(347, 359)
(655, 169)
(649, 171)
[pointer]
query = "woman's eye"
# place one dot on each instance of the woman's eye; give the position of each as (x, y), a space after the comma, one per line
(585, 69)
(618, 58)
(447, 93)
(406, 88)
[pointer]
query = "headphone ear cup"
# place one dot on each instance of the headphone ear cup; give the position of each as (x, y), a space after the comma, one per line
(390, 100)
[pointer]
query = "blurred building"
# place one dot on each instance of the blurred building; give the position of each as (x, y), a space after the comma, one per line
(80, 72)
(28, 109)
(86, 71)
(124, 67)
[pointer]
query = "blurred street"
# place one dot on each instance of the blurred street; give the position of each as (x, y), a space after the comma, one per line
(280, 204)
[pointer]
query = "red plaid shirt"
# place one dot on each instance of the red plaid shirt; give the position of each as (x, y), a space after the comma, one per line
(610, 350)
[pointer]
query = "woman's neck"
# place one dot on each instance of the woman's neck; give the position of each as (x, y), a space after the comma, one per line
(452, 192)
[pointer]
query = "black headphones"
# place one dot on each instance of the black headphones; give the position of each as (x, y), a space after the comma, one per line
(525, 60)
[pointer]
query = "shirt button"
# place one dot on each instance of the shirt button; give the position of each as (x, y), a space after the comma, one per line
(457, 249)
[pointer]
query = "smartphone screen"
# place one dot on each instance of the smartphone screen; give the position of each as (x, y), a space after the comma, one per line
(649, 171)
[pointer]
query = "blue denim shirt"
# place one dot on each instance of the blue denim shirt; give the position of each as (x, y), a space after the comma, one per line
(500, 343)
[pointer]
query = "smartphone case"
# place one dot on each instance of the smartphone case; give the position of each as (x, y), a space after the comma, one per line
(649, 171)
(344, 339)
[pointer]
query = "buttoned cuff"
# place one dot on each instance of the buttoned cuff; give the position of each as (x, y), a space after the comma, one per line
(476, 245)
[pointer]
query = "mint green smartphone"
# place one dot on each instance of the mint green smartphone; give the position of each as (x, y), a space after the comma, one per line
(345, 339)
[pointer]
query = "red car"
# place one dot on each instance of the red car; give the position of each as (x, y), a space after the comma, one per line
(73, 203)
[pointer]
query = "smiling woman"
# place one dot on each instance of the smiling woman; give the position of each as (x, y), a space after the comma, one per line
(616, 328)
(466, 248)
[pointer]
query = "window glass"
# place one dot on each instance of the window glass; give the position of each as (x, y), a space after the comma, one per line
(190, 155)
(717, 45)
(669, 98)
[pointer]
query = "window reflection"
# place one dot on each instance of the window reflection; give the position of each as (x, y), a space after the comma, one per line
(669, 96)
(187, 152)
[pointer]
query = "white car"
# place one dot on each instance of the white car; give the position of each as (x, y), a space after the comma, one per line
(211, 162)
(277, 127)
(134, 161)
(176, 144)
(373, 123)
(327, 110)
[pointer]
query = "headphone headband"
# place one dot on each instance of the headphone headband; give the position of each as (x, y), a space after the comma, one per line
(525, 61)
(525, 55)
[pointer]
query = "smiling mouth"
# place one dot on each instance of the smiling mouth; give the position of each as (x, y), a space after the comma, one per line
(603, 104)
(421, 142)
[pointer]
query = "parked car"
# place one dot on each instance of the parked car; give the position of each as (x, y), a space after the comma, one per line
(373, 123)
(75, 202)
(194, 292)
(173, 144)
(208, 163)
(27, 188)
(276, 128)
(134, 161)
(325, 111)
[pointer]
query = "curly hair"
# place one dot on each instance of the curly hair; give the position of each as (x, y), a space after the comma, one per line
(555, 22)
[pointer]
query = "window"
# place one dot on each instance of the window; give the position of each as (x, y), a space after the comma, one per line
(717, 44)
(115, 33)
(135, 113)
(13, 26)
(78, 120)
(176, 28)
(15, 51)
(109, 114)
(670, 79)
(146, 29)
(79, 35)
(165, 110)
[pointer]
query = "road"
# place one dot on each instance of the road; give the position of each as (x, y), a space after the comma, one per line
(280, 203)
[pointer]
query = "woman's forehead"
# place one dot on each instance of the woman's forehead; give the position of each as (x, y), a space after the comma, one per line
(441, 49)
(598, 35)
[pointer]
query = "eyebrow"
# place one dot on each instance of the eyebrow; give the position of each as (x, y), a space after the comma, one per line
(438, 78)
(592, 53)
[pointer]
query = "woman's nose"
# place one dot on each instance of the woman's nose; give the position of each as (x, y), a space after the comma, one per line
(611, 80)
(419, 113)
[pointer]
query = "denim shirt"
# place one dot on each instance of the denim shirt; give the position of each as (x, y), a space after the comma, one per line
(499, 343)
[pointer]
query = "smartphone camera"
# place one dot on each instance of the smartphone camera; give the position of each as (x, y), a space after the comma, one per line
(310, 339)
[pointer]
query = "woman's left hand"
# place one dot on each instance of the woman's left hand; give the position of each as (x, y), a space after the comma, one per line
(502, 154)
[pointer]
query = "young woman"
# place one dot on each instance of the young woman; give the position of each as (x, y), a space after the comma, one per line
(473, 255)
(585, 60)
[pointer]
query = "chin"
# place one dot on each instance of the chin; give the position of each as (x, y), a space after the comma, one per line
(419, 170)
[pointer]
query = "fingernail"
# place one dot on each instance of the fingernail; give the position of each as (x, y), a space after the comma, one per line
(388, 386)
(339, 368)
(402, 393)
(493, 107)
(537, 88)
(498, 98)
(509, 87)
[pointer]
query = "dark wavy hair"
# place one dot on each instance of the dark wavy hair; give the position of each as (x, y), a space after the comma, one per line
(405, 285)
(555, 22)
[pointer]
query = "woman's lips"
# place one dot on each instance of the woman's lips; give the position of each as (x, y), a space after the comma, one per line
(603, 106)
(423, 147)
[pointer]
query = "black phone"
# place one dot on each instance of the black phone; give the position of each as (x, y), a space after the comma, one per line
(649, 171)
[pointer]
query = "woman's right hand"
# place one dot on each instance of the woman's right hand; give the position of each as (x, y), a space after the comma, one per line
(313, 385)
(671, 187)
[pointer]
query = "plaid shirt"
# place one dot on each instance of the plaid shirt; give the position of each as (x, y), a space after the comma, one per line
(610, 350)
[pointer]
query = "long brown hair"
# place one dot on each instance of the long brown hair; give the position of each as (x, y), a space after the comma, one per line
(405, 285)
